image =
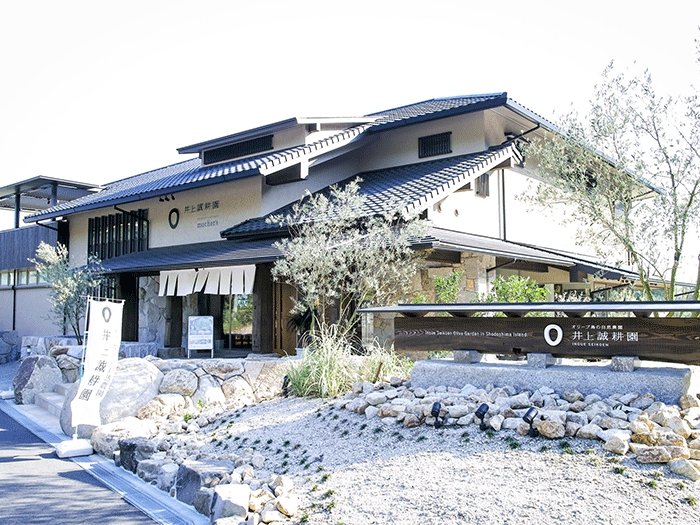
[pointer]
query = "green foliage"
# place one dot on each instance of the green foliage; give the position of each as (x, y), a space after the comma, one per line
(326, 368)
(242, 315)
(339, 255)
(641, 202)
(514, 289)
(378, 358)
(447, 288)
(329, 366)
(70, 287)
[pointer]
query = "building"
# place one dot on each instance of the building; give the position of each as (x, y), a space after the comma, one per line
(191, 238)
(21, 289)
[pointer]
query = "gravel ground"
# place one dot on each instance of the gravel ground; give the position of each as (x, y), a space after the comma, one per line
(353, 471)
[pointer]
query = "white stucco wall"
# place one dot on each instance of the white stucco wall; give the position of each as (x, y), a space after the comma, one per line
(33, 311)
(222, 205)
(398, 147)
(320, 176)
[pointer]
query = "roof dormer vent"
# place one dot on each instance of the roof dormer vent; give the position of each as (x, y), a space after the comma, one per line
(237, 149)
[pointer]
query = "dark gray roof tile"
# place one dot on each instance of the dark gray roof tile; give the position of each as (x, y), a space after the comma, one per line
(413, 186)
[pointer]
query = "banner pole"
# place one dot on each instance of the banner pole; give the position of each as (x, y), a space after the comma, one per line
(82, 359)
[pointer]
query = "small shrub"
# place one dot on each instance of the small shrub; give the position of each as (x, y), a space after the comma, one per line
(326, 368)
(619, 470)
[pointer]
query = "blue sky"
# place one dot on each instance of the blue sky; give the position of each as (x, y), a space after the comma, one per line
(97, 91)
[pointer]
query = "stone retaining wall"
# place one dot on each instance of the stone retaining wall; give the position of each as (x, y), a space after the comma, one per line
(9, 346)
(56, 345)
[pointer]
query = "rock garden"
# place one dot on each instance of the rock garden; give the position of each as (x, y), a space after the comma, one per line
(220, 435)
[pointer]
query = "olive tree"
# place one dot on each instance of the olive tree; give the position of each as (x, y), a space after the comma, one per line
(340, 256)
(629, 177)
(69, 286)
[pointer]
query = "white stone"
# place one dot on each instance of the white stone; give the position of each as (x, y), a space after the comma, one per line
(683, 467)
(589, 431)
(371, 412)
(288, 504)
(496, 421)
(179, 381)
(458, 411)
(230, 500)
(606, 435)
(617, 445)
(376, 398)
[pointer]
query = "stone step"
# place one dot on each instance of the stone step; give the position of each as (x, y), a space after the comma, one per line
(50, 401)
(62, 388)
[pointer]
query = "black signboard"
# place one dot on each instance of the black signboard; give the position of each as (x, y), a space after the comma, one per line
(657, 339)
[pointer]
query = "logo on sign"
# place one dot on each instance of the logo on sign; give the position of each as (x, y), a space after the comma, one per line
(558, 334)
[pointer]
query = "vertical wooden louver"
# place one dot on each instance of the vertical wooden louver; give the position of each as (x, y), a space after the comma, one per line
(118, 234)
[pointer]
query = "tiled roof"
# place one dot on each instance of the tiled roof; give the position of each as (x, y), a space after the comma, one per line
(414, 186)
(199, 255)
(191, 174)
(436, 108)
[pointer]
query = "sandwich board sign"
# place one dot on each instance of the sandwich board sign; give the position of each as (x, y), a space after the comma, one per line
(200, 333)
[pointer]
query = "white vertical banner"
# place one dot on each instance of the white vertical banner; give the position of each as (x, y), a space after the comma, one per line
(104, 335)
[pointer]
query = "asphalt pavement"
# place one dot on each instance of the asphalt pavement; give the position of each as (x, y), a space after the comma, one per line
(36, 487)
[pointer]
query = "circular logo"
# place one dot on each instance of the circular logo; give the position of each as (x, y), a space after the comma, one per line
(174, 218)
(559, 334)
(106, 314)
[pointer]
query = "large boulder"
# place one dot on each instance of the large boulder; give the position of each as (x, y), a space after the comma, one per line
(209, 391)
(133, 450)
(135, 383)
(9, 346)
(70, 367)
(195, 475)
(223, 368)
(36, 375)
(162, 406)
(237, 391)
(105, 439)
(230, 500)
(267, 376)
(179, 381)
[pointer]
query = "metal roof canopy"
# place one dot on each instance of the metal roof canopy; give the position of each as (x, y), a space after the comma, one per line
(639, 309)
(41, 193)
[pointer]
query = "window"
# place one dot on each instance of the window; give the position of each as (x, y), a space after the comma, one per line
(118, 234)
(433, 145)
(239, 149)
(7, 278)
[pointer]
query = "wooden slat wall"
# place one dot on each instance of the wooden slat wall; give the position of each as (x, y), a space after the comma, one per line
(21, 244)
